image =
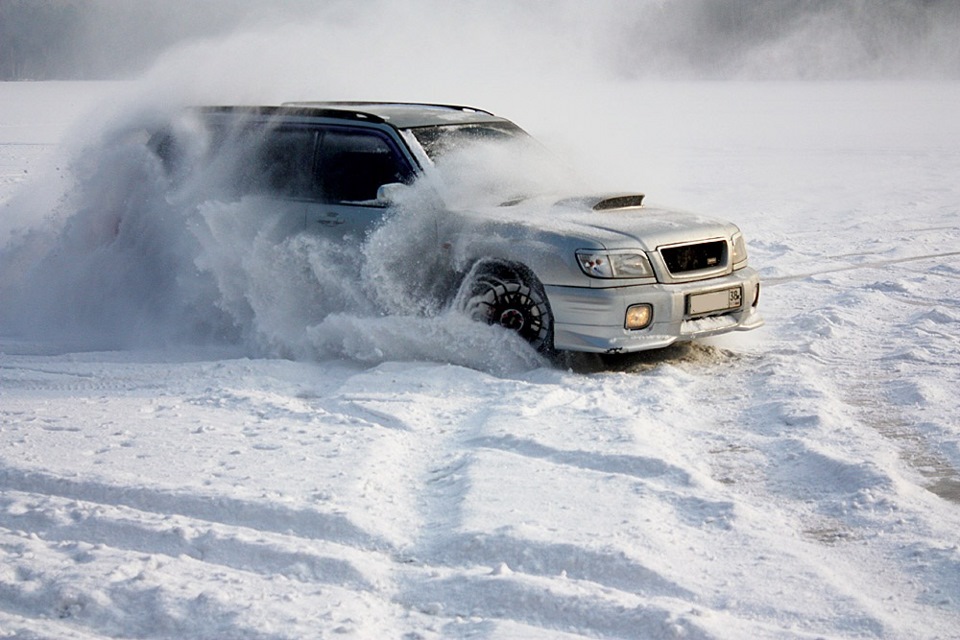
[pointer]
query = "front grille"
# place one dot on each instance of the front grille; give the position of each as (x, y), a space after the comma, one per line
(695, 257)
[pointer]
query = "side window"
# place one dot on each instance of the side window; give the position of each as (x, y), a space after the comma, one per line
(283, 163)
(355, 163)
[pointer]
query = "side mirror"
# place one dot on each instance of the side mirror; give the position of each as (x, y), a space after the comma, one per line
(391, 193)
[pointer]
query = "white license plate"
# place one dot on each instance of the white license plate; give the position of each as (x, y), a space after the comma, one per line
(700, 303)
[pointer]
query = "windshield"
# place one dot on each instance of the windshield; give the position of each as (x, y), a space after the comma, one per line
(440, 140)
(490, 163)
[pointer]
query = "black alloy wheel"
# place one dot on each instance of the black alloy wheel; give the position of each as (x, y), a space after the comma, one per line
(506, 297)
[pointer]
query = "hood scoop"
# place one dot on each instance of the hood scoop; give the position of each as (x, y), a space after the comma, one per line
(605, 203)
(629, 201)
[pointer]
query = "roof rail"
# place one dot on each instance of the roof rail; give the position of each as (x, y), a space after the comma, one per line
(373, 103)
(291, 108)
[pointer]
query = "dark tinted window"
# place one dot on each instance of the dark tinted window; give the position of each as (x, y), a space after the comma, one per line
(282, 164)
(354, 164)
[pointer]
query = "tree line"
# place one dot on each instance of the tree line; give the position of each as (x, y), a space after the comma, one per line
(36, 38)
(102, 39)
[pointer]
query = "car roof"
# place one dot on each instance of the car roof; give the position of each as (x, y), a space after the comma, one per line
(402, 115)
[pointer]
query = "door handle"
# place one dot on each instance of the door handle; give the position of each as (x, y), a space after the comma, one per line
(330, 219)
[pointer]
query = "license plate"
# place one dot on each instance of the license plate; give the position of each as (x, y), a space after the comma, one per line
(701, 303)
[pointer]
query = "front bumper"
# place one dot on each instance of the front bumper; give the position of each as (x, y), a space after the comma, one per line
(587, 319)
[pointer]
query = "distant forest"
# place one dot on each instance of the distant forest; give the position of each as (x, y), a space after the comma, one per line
(36, 38)
(102, 39)
(767, 39)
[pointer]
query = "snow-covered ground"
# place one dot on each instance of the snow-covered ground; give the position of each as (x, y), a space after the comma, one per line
(403, 477)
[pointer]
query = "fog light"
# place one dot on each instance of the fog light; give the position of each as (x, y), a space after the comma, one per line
(638, 316)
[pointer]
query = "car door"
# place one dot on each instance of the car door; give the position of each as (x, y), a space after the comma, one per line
(352, 164)
(278, 178)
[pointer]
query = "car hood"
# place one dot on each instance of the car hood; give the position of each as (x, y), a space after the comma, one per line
(615, 221)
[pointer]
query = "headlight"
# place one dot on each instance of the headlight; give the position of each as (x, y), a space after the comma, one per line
(739, 250)
(620, 264)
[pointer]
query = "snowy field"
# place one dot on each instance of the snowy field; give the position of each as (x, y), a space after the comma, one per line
(331, 473)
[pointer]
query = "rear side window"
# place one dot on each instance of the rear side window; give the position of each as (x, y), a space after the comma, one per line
(355, 163)
(282, 164)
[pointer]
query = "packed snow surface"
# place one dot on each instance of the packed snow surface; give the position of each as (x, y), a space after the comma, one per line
(205, 434)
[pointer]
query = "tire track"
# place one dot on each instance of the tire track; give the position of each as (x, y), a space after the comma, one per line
(263, 516)
(869, 394)
(774, 281)
(62, 520)
(457, 567)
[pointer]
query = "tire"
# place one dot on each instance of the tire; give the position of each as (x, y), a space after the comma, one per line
(511, 297)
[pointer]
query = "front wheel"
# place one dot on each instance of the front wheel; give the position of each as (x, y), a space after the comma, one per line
(511, 297)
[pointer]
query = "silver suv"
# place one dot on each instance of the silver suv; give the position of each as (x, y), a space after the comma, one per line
(597, 273)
